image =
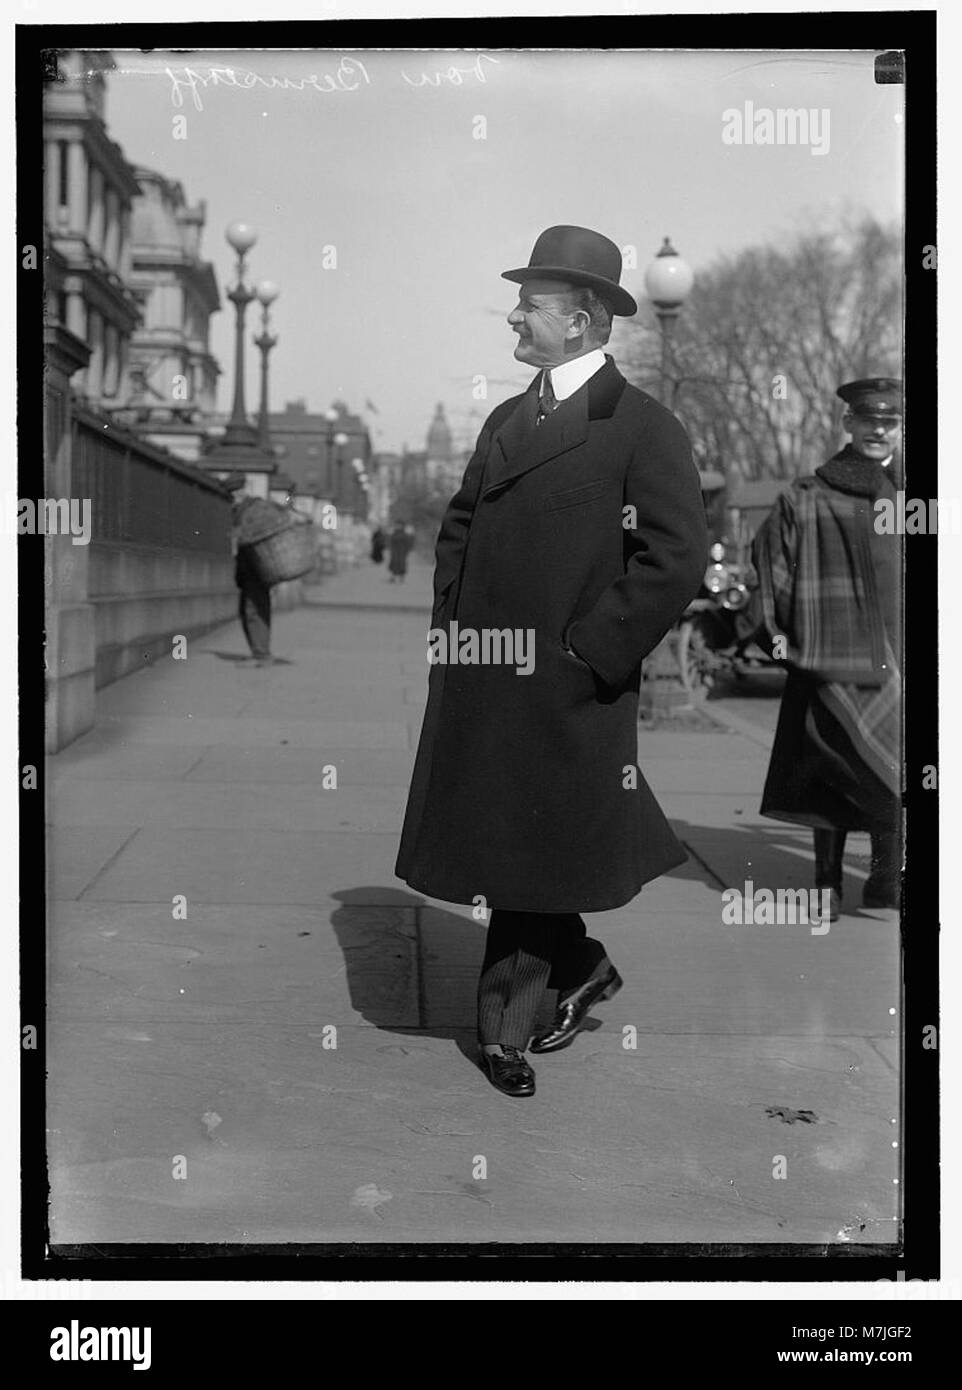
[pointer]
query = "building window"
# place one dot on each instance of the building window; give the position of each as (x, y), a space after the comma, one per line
(111, 360)
(64, 175)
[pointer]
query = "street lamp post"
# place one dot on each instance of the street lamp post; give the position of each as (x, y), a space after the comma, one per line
(266, 292)
(668, 281)
(340, 439)
(241, 237)
(361, 491)
(244, 448)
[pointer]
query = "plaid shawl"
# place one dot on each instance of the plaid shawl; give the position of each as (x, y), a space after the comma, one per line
(817, 589)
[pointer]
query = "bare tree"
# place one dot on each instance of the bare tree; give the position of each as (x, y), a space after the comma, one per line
(764, 341)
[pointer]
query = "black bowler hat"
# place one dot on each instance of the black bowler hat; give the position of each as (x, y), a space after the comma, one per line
(873, 395)
(582, 257)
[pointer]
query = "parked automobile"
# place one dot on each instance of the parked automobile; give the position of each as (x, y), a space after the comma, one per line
(716, 633)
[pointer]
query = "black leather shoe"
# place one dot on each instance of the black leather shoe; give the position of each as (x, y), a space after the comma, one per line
(510, 1073)
(573, 1010)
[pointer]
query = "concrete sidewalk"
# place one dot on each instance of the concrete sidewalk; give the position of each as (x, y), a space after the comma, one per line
(195, 1091)
(368, 586)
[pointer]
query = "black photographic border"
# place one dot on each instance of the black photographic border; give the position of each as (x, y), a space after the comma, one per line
(916, 1256)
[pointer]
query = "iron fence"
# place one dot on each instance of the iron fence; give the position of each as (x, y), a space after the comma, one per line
(140, 496)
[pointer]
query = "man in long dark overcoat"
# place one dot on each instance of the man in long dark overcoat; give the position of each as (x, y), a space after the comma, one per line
(579, 528)
(829, 572)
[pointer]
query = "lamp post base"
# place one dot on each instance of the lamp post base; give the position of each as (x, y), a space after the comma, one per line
(239, 437)
(223, 457)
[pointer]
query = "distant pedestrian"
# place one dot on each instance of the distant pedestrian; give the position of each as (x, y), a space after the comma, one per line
(378, 542)
(829, 585)
(399, 546)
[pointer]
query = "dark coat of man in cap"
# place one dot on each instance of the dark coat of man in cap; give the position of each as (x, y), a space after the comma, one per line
(830, 586)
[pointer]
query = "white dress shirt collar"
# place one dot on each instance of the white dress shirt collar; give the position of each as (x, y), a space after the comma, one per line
(569, 377)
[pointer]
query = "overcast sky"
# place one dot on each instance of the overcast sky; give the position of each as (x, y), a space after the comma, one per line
(424, 216)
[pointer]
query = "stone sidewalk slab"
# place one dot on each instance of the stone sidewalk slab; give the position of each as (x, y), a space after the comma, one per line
(388, 768)
(367, 586)
(228, 866)
(243, 967)
(197, 805)
(729, 1051)
(376, 701)
(76, 856)
(204, 732)
(100, 760)
(380, 1140)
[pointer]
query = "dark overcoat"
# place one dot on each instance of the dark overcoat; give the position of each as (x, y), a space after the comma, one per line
(526, 791)
(399, 543)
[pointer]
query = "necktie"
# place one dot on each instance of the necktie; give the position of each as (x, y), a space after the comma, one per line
(548, 400)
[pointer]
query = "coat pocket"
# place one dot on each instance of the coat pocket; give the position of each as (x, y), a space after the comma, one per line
(578, 496)
(441, 600)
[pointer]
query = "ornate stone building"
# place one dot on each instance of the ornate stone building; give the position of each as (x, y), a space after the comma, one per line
(439, 466)
(123, 270)
(439, 448)
(173, 373)
(89, 189)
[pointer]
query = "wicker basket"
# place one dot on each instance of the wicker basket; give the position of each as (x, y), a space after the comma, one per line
(287, 554)
(255, 519)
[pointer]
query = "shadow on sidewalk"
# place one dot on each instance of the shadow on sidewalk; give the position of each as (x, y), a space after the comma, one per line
(772, 854)
(245, 658)
(770, 847)
(412, 967)
(376, 928)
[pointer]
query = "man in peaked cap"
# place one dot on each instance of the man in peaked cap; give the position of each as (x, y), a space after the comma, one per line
(830, 585)
(873, 395)
(579, 521)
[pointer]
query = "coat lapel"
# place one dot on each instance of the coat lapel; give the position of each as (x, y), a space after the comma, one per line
(520, 445)
(508, 442)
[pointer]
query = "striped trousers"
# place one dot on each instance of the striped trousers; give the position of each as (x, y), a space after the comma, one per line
(527, 953)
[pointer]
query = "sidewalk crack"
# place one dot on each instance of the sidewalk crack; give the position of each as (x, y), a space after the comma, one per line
(200, 759)
(704, 864)
(109, 863)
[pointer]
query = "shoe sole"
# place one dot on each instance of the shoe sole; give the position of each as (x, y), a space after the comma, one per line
(500, 1089)
(555, 1047)
(608, 992)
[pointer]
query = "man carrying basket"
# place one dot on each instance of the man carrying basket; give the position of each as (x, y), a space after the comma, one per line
(272, 545)
(251, 517)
